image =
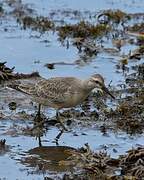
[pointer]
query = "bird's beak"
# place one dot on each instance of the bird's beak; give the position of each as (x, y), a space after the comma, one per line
(107, 91)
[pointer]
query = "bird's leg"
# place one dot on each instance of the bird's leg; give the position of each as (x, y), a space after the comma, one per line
(58, 119)
(38, 116)
(39, 108)
(39, 140)
(58, 137)
(57, 114)
(39, 125)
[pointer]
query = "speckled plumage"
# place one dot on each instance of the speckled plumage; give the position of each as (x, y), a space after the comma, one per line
(61, 92)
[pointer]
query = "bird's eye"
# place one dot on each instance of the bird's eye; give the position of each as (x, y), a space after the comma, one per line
(97, 82)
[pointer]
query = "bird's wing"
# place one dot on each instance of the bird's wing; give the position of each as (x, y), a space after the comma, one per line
(55, 90)
(24, 87)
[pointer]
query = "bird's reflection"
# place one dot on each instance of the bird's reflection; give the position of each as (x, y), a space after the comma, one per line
(46, 159)
(41, 125)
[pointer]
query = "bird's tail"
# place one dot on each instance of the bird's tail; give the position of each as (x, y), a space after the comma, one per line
(14, 85)
(26, 88)
(11, 84)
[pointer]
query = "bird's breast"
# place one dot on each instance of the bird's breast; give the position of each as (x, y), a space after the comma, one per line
(74, 100)
(69, 100)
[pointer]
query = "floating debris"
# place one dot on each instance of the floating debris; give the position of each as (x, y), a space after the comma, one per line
(136, 29)
(2, 143)
(12, 106)
(50, 65)
(113, 16)
(7, 73)
(82, 30)
(41, 24)
(3, 147)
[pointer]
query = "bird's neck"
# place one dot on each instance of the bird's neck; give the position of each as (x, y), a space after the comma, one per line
(87, 85)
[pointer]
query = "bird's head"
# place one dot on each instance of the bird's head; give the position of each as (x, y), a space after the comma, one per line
(97, 81)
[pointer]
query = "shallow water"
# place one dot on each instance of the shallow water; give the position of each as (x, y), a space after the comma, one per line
(115, 143)
(130, 6)
(19, 49)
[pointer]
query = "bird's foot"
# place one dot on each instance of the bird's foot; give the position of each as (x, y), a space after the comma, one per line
(62, 125)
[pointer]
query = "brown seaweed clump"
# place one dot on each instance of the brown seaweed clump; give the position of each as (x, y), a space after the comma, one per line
(7, 73)
(116, 17)
(82, 30)
(132, 164)
(39, 23)
(128, 114)
(140, 40)
(138, 27)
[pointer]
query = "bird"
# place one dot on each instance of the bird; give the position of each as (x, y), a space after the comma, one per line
(61, 92)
